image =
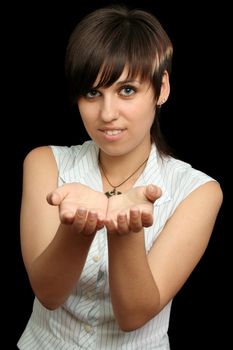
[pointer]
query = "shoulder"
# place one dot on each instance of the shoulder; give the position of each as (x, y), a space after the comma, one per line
(200, 209)
(72, 153)
(75, 161)
(181, 178)
(208, 195)
(38, 161)
(37, 154)
(58, 153)
(179, 168)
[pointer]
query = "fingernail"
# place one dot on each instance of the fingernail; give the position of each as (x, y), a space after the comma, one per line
(152, 188)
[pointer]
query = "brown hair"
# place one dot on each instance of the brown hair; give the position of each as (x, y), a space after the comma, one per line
(111, 38)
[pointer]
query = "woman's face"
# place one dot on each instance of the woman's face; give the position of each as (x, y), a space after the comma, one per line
(118, 118)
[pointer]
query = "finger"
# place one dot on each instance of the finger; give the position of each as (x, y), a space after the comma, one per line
(100, 221)
(135, 220)
(122, 224)
(147, 218)
(152, 192)
(99, 225)
(90, 225)
(53, 198)
(67, 217)
(110, 225)
(57, 196)
(80, 219)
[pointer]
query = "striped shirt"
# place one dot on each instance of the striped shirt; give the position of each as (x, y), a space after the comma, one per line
(86, 320)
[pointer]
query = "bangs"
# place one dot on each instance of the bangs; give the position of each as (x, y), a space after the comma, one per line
(101, 72)
(113, 68)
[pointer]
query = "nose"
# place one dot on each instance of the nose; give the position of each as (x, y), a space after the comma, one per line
(108, 109)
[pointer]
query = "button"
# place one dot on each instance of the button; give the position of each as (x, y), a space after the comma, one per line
(96, 258)
(87, 328)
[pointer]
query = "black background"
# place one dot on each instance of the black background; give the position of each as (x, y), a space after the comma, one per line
(194, 121)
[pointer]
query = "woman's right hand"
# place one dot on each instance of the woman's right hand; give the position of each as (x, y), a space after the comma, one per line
(80, 206)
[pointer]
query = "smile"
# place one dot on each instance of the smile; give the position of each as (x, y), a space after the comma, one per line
(113, 132)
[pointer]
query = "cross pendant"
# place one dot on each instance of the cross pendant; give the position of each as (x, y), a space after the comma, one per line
(114, 192)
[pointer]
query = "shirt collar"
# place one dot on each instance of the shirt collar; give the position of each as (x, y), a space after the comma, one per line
(85, 170)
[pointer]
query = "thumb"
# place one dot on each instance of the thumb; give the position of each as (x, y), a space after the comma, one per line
(57, 196)
(153, 192)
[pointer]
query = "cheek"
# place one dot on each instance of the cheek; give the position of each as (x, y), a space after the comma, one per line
(85, 111)
(150, 111)
(144, 112)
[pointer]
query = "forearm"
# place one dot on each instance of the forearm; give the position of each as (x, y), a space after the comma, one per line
(134, 294)
(56, 271)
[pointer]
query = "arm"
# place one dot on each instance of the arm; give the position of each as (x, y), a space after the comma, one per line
(131, 281)
(55, 239)
(141, 285)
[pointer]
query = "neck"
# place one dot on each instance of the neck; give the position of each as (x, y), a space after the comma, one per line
(116, 169)
(132, 178)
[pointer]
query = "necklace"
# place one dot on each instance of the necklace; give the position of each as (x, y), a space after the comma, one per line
(114, 191)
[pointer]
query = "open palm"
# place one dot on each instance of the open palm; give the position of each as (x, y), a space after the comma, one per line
(80, 206)
(132, 210)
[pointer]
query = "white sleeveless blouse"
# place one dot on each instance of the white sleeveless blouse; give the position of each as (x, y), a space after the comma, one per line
(86, 319)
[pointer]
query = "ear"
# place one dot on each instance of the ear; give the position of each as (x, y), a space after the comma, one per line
(165, 89)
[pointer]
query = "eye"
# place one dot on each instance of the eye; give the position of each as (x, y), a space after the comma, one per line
(92, 94)
(127, 90)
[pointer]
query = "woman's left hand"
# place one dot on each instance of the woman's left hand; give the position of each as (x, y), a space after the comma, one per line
(132, 210)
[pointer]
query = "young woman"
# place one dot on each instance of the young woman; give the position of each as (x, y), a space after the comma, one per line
(111, 229)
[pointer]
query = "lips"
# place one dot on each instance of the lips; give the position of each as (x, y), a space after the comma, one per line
(113, 132)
